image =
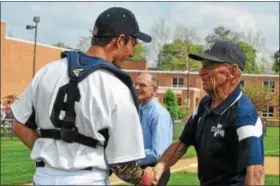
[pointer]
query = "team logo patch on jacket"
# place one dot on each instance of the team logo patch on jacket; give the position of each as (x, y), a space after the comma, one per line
(217, 130)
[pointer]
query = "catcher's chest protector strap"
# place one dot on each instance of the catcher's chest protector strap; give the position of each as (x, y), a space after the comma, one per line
(79, 67)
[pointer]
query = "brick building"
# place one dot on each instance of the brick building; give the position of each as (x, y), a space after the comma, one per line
(178, 81)
(17, 61)
(17, 65)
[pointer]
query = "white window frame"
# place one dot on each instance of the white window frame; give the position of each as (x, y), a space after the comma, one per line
(177, 82)
(266, 113)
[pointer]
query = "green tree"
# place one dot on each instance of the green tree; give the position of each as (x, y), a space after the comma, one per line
(62, 45)
(182, 113)
(250, 53)
(222, 33)
(254, 38)
(260, 97)
(139, 52)
(160, 34)
(186, 34)
(175, 55)
(170, 102)
(276, 64)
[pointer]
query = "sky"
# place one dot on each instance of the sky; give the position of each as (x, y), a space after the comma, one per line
(67, 22)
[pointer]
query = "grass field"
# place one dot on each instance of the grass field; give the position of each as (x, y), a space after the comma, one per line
(17, 168)
(178, 128)
(271, 141)
(188, 178)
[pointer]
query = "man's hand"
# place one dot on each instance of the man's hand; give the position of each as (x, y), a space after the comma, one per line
(158, 171)
(148, 176)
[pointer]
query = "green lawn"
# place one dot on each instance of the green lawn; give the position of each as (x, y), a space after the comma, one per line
(178, 128)
(188, 178)
(17, 168)
(271, 141)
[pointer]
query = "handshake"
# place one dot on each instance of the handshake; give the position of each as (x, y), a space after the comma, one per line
(152, 175)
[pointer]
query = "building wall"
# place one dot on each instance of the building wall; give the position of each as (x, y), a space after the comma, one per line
(17, 62)
(136, 65)
(3, 30)
(17, 66)
(258, 80)
(196, 93)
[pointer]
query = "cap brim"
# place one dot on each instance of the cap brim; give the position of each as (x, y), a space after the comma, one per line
(143, 37)
(200, 57)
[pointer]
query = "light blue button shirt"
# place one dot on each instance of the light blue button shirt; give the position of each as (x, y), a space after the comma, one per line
(157, 127)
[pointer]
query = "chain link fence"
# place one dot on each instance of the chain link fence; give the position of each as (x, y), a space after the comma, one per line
(7, 121)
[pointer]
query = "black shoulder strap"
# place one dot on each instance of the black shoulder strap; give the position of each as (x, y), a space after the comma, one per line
(81, 65)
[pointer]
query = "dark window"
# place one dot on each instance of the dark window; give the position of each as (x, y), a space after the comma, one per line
(268, 111)
(241, 83)
(269, 84)
(178, 82)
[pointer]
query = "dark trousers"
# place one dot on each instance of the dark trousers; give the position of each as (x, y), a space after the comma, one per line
(165, 176)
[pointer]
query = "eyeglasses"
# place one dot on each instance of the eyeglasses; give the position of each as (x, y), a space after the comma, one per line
(142, 85)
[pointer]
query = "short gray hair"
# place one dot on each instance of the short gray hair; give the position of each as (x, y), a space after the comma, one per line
(154, 79)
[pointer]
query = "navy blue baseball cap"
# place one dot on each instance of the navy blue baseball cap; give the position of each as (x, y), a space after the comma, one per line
(222, 52)
(117, 20)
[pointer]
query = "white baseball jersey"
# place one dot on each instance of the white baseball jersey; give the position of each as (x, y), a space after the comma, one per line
(105, 102)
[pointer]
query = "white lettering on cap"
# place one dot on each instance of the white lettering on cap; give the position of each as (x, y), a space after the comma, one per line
(209, 47)
(95, 31)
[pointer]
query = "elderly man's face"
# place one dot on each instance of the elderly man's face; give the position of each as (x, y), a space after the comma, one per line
(214, 75)
(145, 89)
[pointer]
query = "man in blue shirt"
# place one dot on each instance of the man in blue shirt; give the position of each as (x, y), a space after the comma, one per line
(157, 125)
(226, 130)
